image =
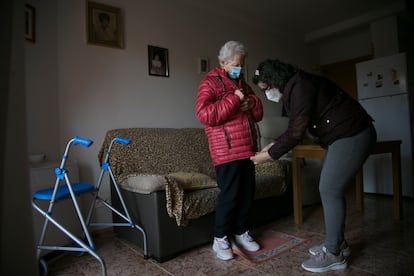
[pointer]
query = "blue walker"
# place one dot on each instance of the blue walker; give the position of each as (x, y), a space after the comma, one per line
(64, 190)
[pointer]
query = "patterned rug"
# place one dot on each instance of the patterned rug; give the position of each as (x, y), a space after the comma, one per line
(272, 243)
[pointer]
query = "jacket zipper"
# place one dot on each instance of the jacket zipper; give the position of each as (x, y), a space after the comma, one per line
(227, 138)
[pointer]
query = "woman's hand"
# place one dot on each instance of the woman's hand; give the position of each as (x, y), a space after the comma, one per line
(267, 147)
(261, 157)
(246, 104)
(239, 93)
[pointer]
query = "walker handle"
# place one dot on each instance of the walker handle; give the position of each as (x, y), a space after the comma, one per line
(82, 141)
(122, 140)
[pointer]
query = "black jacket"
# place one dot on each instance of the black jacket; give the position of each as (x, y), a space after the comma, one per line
(319, 105)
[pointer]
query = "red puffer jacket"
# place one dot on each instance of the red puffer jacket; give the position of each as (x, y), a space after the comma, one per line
(231, 132)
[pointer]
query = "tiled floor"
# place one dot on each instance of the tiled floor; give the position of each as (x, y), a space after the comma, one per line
(379, 247)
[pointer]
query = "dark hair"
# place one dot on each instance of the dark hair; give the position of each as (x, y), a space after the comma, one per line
(274, 73)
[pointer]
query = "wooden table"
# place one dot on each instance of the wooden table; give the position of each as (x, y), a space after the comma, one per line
(315, 151)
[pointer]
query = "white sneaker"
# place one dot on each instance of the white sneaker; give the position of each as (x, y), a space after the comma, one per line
(247, 242)
(223, 249)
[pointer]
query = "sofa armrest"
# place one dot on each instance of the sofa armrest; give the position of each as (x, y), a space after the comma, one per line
(272, 178)
(274, 168)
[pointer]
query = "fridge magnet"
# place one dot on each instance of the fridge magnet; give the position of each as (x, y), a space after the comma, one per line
(378, 83)
(394, 77)
(367, 79)
(158, 61)
(104, 25)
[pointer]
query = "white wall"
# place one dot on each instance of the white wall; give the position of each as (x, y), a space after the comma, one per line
(75, 88)
(372, 33)
(384, 36)
(378, 38)
(346, 46)
(42, 82)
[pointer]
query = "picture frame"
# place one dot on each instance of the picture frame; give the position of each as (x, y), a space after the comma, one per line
(30, 23)
(105, 25)
(158, 64)
(203, 65)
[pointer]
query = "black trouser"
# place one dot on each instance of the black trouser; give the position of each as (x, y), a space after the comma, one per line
(237, 182)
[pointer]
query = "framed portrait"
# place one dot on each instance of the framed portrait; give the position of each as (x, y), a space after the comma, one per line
(158, 61)
(203, 65)
(30, 23)
(105, 25)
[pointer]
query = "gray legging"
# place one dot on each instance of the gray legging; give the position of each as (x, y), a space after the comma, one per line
(342, 160)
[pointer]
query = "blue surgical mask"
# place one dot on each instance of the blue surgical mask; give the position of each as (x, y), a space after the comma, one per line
(234, 72)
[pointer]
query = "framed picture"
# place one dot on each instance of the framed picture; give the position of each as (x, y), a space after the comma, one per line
(104, 25)
(30, 23)
(203, 65)
(158, 61)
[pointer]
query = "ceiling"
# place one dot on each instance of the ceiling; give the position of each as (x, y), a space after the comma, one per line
(301, 16)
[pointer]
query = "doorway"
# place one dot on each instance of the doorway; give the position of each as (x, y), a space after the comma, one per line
(343, 73)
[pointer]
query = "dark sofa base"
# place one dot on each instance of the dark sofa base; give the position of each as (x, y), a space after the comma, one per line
(166, 240)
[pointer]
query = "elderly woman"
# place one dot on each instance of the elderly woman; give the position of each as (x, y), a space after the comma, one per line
(228, 108)
(343, 127)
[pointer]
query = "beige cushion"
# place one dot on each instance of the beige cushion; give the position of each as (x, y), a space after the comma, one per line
(143, 183)
(193, 180)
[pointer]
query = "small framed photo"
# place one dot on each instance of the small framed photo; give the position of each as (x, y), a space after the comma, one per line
(203, 65)
(158, 61)
(30, 23)
(105, 25)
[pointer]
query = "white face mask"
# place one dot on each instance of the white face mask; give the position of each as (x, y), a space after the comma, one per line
(273, 95)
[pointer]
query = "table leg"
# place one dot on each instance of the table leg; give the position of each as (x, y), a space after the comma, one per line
(396, 174)
(297, 191)
(359, 200)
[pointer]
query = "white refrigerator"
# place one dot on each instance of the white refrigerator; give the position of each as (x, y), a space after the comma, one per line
(383, 92)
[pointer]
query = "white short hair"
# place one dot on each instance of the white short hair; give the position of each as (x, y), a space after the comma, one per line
(229, 49)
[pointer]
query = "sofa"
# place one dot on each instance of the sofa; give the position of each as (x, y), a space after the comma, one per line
(168, 183)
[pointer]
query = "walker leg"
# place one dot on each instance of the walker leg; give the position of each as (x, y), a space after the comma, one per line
(43, 270)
